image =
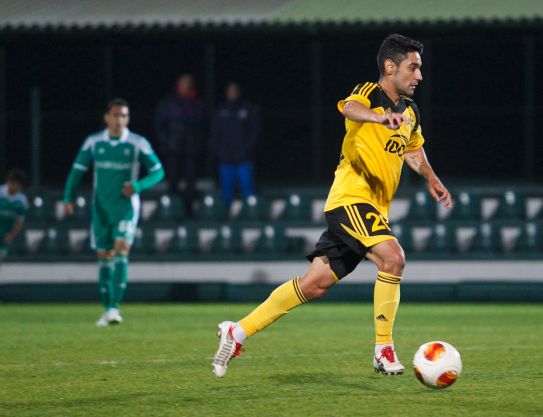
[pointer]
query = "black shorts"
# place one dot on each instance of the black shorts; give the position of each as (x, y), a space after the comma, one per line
(352, 231)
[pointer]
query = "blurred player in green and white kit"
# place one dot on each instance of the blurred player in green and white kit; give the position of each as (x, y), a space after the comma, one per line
(13, 207)
(116, 154)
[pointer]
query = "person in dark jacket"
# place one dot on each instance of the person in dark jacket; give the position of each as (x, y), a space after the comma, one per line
(178, 123)
(234, 133)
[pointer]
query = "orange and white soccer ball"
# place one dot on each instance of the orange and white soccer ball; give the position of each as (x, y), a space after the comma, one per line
(437, 364)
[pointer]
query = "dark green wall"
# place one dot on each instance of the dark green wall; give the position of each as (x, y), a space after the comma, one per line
(215, 292)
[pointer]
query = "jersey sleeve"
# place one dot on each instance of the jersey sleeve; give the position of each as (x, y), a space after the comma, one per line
(155, 172)
(416, 140)
(147, 157)
(81, 165)
(83, 160)
(360, 94)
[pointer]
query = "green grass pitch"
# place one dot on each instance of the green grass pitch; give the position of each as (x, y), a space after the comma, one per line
(314, 362)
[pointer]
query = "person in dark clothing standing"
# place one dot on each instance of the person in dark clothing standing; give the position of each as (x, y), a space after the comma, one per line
(234, 133)
(178, 123)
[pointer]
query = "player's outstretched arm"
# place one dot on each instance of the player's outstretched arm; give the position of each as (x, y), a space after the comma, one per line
(418, 162)
(357, 112)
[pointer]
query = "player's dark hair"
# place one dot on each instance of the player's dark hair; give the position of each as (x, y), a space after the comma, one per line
(116, 102)
(396, 47)
(17, 175)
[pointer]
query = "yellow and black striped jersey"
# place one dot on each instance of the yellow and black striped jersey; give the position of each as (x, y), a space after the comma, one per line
(372, 155)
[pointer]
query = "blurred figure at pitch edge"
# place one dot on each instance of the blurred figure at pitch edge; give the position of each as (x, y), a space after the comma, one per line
(178, 124)
(234, 133)
(13, 208)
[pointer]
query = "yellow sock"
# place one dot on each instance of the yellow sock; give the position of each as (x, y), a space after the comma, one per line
(386, 298)
(281, 300)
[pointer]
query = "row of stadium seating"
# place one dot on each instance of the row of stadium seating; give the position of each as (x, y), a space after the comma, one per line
(187, 240)
(194, 240)
(295, 207)
(472, 239)
(285, 224)
(170, 208)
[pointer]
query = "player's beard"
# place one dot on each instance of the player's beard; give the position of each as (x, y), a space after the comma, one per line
(408, 93)
(116, 130)
(401, 90)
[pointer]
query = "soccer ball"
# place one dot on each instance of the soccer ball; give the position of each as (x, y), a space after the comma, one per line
(437, 364)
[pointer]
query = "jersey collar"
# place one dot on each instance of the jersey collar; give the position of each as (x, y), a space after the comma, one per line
(123, 138)
(399, 108)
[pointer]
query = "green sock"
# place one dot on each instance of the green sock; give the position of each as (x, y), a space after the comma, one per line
(120, 277)
(105, 281)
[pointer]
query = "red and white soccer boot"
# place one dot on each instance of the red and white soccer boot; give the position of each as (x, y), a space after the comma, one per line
(228, 348)
(386, 361)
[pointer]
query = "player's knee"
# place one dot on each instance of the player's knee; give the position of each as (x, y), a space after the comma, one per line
(122, 247)
(104, 255)
(394, 263)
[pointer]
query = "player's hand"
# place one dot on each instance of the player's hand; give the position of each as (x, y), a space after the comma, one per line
(392, 120)
(128, 189)
(8, 238)
(439, 192)
(69, 209)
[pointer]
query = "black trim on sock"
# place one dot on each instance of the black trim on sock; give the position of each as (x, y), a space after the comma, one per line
(298, 290)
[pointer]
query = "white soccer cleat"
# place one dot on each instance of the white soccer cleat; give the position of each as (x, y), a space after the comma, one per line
(102, 321)
(228, 348)
(387, 362)
(114, 316)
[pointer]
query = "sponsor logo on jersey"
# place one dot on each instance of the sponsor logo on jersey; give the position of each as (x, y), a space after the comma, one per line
(116, 166)
(394, 145)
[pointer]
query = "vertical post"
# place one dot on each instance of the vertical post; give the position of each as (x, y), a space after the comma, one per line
(316, 108)
(209, 61)
(529, 109)
(3, 110)
(35, 148)
(209, 96)
(425, 108)
(108, 71)
(426, 89)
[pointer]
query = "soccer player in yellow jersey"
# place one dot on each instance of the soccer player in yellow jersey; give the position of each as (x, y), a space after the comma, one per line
(383, 131)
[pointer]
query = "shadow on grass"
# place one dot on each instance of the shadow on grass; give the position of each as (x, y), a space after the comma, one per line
(324, 379)
(76, 402)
